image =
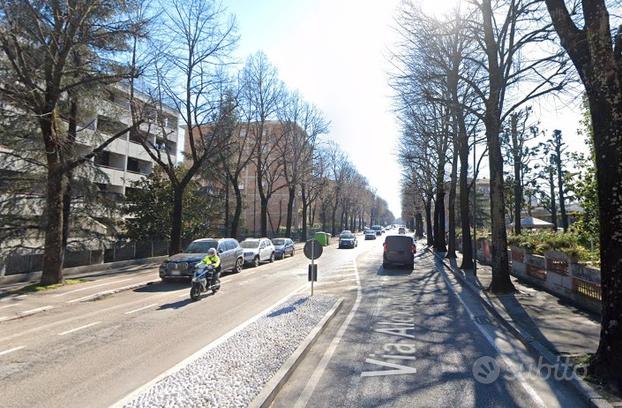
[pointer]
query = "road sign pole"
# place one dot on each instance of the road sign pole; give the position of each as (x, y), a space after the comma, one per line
(312, 265)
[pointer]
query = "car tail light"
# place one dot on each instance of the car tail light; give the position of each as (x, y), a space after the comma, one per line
(386, 247)
(414, 249)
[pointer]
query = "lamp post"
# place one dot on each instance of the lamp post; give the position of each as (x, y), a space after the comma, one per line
(474, 252)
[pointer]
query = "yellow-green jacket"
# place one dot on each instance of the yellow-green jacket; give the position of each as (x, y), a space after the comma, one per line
(211, 260)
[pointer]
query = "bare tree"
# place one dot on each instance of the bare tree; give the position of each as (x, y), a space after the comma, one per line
(199, 37)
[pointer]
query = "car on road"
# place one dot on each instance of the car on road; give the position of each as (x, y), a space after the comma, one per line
(182, 265)
(378, 229)
(370, 234)
(399, 250)
(347, 240)
(283, 247)
(401, 230)
(258, 250)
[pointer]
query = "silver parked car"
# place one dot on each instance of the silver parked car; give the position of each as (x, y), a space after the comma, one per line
(258, 250)
(399, 250)
(182, 265)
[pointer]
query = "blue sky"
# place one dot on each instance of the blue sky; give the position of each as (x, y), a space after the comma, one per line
(336, 53)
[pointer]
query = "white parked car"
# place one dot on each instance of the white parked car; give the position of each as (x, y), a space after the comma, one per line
(257, 250)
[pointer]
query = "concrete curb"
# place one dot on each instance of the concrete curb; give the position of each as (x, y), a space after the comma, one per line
(591, 396)
(272, 388)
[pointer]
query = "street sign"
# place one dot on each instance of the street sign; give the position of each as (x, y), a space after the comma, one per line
(312, 274)
(313, 249)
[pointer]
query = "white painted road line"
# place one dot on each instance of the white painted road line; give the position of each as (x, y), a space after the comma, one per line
(36, 310)
(304, 397)
(521, 380)
(141, 308)
(109, 291)
(7, 306)
(2, 353)
(91, 287)
(78, 328)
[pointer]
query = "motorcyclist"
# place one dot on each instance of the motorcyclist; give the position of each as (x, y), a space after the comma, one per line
(212, 259)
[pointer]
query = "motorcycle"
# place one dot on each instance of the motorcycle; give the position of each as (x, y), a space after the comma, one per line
(205, 278)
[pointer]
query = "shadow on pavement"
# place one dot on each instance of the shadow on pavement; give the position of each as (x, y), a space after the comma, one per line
(178, 304)
(163, 287)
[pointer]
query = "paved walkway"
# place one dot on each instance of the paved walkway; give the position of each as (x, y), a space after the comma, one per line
(555, 323)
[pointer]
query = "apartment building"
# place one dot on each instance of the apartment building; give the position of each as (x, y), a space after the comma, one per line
(125, 160)
(250, 222)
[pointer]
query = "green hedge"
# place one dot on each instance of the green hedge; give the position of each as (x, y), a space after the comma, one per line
(566, 242)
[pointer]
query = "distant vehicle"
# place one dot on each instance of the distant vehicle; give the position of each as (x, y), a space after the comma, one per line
(377, 229)
(401, 230)
(258, 250)
(399, 250)
(370, 234)
(345, 232)
(182, 265)
(283, 247)
(347, 240)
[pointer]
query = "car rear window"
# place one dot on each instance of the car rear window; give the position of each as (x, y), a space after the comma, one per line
(399, 242)
(278, 241)
(250, 243)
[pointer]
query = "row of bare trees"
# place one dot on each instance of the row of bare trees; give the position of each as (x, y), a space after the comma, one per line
(465, 81)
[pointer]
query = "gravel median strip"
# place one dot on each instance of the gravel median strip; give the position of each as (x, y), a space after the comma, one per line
(234, 372)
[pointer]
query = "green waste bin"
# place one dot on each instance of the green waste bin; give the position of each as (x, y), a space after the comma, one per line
(321, 237)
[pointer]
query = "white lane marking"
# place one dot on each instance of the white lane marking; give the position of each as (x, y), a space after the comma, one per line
(91, 287)
(86, 315)
(2, 353)
(38, 309)
(141, 308)
(78, 328)
(7, 306)
(521, 380)
(202, 351)
(3, 318)
(304, 397)
(109, 291)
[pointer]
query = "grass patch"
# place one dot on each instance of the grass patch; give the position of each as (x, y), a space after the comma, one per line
(35, 287)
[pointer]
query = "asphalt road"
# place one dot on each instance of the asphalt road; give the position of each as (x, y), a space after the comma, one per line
(415, 339)
(91, 348)
(400, 339)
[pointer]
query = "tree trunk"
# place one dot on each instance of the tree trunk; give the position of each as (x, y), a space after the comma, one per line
(465, 213)
(263, 216)
(553, 205)
(428, 222)
(290, 211)
(237, 214)
(501, 282)
(440, 245)
(560, 187)
(54, 251)
(176, 219)
(451, 244)
(419, 225)
(226, 231)
(334, 221)
(518, 187)
(607, 125)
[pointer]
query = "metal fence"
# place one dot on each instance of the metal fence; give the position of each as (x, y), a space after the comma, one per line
(120, 251)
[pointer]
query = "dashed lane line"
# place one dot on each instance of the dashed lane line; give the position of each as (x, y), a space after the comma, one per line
(140, 309)
(79, 328)
(91, 287)
(110, 291)
(5, 352)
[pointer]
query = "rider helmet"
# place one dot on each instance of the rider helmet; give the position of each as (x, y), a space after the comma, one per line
(211, 252)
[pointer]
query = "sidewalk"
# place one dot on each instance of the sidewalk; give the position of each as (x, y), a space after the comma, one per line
(560, 327)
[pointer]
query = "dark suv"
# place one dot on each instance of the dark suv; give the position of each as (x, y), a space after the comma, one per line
(399, 250)
(182, 265)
